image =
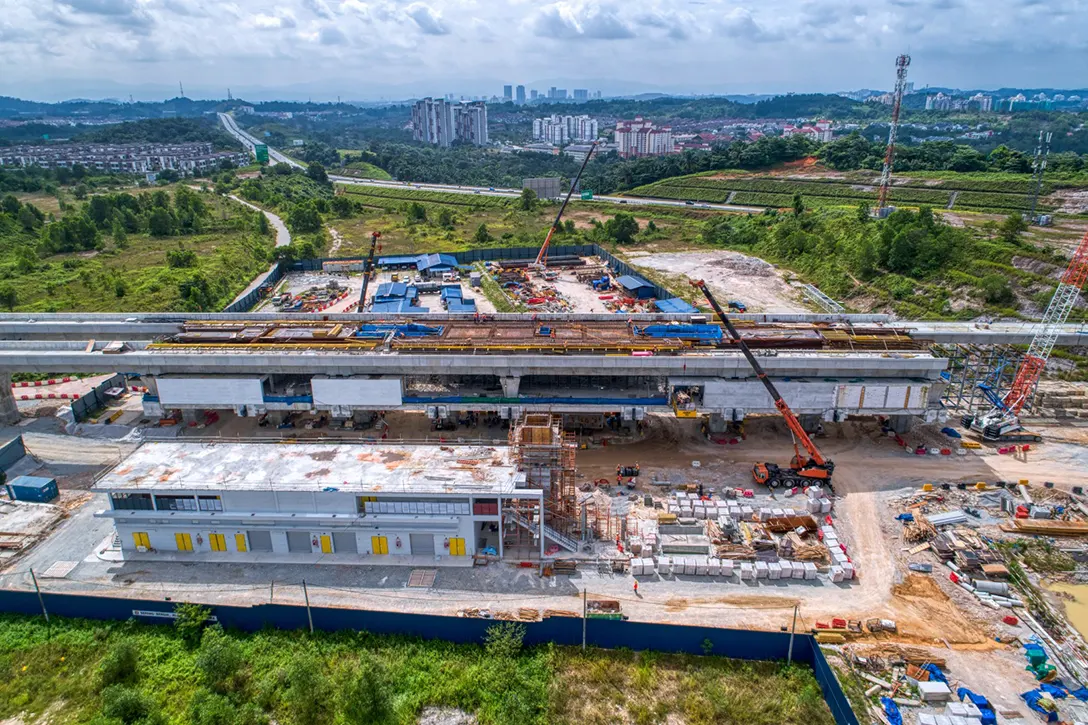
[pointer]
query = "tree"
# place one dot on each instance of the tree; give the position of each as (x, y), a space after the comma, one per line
(160, 223)
(27, 218)
(317, 172)
(218, 660)
(189, 621)
(304, 218)
(10, 205)
(798, 204)
(621, 228)
(416, 212)
(568, 226)
(527, 201)
(996, 290)
(8, 296)
(80, 192)
(1011, 229)
(863, 212)
(181, 258)
(341, 206)
(307, 694)
(482, 236)
(120, 236)
(446, 219)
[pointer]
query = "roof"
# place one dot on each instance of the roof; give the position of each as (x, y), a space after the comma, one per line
(31, 481)
(397, 261)
(399, 305)
(452, 290)
(314, 467)
(392, 289)
(461, 306)
(629, 282)
(430, 261)
(674, 305)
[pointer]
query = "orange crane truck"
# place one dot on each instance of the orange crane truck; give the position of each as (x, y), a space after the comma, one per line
(814, 468)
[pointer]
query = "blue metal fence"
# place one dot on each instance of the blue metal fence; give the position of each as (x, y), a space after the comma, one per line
(96, 398)
(607, 634)
(267, 282)
(11, 452)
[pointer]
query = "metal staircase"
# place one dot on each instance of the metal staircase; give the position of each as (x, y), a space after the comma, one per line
(549, 533)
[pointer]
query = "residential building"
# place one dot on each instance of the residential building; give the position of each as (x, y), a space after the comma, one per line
(533, 94)
(432, 122)
(470, 121)
(328, 503)
(939, 102)
(439, 122)
(507, 93)
(520, 97)
(186, 158)
(581, 94)
(888, 99)
(563, 129)
(820, 131)
(560, 94)
(1018, 98)
(642, 138)
(985, 103)
(551, 92)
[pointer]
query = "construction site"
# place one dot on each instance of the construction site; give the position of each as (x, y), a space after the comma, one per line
(912, 493)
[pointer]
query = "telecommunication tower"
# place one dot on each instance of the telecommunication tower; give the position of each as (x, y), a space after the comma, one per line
(901, 64)
(1038, 168)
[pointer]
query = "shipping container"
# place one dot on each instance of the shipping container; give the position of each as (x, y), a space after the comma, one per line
(32, 488)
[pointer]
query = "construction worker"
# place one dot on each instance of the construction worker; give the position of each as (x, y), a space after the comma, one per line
(636, 587)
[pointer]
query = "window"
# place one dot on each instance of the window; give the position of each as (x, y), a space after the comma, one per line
(175, 503)
(210, 503)
(132, 501)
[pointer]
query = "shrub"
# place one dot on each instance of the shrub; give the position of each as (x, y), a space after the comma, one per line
(504, 639)
(219, 659)
(119, 664)
(128, 705)
(190, 621)
(181, 258)
(996, 290)
(365, 694)
(307, 694)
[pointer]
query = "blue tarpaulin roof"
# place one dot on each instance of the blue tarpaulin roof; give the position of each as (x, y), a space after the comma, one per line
(392, 289)
(397, 306)
(674, 305)
(397, 261)
(629, 282)
(452, 290)
(432, 261)
(461, 306)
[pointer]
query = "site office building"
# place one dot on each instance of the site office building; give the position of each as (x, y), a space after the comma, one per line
(309, 503)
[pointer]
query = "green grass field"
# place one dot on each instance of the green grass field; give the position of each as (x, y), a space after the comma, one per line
(361, 169)
(997, 193)
(129, 674)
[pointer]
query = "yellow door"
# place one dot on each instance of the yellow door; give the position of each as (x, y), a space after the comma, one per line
(218, 542)
(379, 545)
(326, 544)
(141, 539)
(457, 547)
(184, 542)
(240, 542)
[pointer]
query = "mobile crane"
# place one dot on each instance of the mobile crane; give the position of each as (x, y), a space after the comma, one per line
(541, 262)
(816, 468)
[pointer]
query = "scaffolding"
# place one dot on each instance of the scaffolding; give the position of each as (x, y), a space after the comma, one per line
(545, 453)
(972, 365)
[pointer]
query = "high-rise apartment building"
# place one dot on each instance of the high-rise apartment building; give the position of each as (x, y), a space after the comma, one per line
(581, 94)
(985, 103)
(563, 129)
(432, 122)
(470, 120)
(507, 93)
(520, 98)
(533, 94)
(642, 138)
(441, 123)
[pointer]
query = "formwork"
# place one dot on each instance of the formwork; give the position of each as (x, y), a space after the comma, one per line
(546, 455)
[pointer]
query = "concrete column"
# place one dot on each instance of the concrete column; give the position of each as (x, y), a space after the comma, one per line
(900, 423)
(510, 386)
(718, 423)
(9, 411)
(190, 416)
(150, 383)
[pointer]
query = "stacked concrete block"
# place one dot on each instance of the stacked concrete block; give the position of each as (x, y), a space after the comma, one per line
(664, 565)
(848, 571)
(689, 566)
(836, 574)
(727, 567)
(714, 567)
(798, 570)
(746, 513)
(785, 569)
(636, 567)
(810, 570)
(934, 692)
(747, 571)
(774, 570)
(734, 512)
(702, 565)
(761, 570)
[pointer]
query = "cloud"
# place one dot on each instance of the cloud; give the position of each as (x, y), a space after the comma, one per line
(741, 25)
(121, 12)
(567, 21)
(332, 35)
(282, 19)
(318, 8)
(428, 19)
(678, 26)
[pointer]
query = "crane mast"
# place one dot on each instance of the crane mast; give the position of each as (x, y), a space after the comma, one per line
(1003, 419)
(542, 257)
(901, 64)
(817, 467)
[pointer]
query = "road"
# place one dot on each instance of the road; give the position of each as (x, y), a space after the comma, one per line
(283, 237)
(248, 141)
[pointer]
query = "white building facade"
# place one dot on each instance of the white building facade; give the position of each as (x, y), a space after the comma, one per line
(440, 122)
(642, 138)
(329, 503)
(561, 130)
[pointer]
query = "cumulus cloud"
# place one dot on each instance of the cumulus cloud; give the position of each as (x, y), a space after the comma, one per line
(282, 19)
(678, 26)
(740, 24)
(122, 12)
(318, 8)
(569, 21)
(332, 35)
(427, 18)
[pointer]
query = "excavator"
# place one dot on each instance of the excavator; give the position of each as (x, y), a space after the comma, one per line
(814, 468)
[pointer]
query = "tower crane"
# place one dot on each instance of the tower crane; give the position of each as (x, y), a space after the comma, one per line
(816, 468)
(1002, 421)
(541, 262)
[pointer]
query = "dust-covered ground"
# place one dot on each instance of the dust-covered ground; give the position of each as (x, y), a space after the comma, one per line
(731, 276)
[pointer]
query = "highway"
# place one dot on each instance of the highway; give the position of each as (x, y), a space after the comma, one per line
(248, 141)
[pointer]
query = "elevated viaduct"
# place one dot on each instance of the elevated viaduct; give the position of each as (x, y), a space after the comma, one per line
(351, 365)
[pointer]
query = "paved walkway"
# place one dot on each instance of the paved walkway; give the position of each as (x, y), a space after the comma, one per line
(283, 237)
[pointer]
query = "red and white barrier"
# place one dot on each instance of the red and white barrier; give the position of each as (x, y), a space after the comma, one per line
(40, 383)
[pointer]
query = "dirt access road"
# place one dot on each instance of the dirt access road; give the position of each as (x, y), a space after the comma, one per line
(731, 276)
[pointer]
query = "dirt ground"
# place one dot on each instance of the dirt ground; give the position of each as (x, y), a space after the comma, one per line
(731, 276)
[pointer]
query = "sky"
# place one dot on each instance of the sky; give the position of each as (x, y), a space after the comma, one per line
(384, 49)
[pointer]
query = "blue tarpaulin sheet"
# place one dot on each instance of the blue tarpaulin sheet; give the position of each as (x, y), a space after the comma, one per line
(988, 716)
(935, 674)
(1055, 691)
(681, 332)
(1032, 699)
(408, 330)
(674, 305)
(892, 711)
(1081, 693)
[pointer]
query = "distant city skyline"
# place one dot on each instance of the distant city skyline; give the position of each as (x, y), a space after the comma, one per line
(321, 49)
